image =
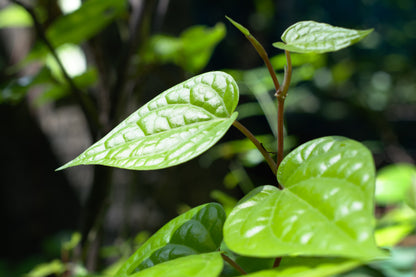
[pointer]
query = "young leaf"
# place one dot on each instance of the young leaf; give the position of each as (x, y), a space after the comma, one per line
(196, 231)
(314, 37)
(176, 126)
(202, 265)
(326, 208)
(240, 27)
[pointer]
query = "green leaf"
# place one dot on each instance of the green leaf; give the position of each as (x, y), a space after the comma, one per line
(314, 37)
(56, 90)
(196, 231)
(15, 91)
(176, 126)
(14, 16)
(191, 51)
(240, 27)
(393, 183)
(308, 267)
(73, 242)
(55, 267)
(82, 24)
(392, 235)
(326, 208)
(202, 265)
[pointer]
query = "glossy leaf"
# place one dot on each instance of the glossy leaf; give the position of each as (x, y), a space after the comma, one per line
(326, 208)
(202, 265)
(176, 126)
(314, 37)
(393, 183)
(196, 231)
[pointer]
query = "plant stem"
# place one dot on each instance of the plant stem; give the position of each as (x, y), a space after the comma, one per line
(263, 55)
(233, 264)
(280, 131)
(259, 146)
(281, 96)
(277, 262)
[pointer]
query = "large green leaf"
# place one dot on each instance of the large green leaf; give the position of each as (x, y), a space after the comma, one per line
(325, 209)
(196, 231)
(172, 128)
(202, 265)
(314, 37)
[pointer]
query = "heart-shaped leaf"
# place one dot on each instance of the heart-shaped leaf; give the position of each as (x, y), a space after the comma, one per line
(325, 209)
(202, 265)
(314, 37)
(176, 126)
(196, 231)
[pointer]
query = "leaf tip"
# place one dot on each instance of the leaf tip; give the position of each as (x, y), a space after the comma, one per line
(279, 45)
(65, 166)
(240, 27)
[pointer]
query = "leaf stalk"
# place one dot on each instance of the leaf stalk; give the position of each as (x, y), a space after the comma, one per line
(259, 146)
(233, 264)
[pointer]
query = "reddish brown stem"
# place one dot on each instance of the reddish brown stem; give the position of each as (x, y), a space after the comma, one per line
(259, 146)
(281, 96)
(233, 264)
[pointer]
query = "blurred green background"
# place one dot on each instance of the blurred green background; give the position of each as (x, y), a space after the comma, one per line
(120, 54)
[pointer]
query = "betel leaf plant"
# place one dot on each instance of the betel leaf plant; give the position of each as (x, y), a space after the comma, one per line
(317, 220)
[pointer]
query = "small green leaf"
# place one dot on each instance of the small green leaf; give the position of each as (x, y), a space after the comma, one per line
(392, 235)
(55, 267)
(240, 27)
(314, 37)
(14, 15)
(326, 208)
(191, 50)
(176, 126)
(202, 265)
(196, 231)
(393, 183)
